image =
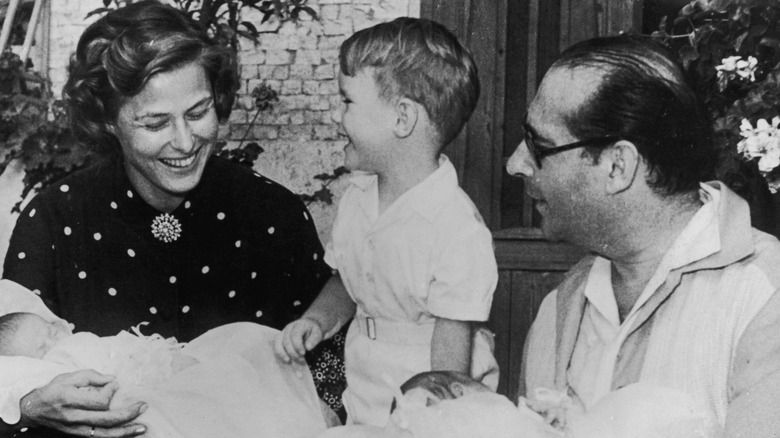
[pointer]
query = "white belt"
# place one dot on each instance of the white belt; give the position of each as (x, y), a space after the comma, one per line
(401, 332)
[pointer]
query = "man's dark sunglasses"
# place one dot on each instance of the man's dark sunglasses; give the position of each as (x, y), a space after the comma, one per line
(539, 153)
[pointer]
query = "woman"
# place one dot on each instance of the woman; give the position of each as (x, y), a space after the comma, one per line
(162, 232)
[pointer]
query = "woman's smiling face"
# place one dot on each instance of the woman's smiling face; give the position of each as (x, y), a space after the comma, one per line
(167, 133)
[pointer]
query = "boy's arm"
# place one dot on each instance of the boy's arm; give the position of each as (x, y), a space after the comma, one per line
(451, 346)
(332, 308)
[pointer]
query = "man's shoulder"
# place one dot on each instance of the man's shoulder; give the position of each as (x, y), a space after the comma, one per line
(765, 256)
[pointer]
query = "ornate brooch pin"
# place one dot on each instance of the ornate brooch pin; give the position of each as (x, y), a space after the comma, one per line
(166, 228)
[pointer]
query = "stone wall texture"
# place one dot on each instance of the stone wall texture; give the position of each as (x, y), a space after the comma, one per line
(299, 60)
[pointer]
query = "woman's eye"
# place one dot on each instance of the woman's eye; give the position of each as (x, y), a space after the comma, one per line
(156, 126)
(199, 114)
(346, 101)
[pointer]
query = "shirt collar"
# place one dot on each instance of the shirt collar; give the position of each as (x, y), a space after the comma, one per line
(718, 234)
(426, 198)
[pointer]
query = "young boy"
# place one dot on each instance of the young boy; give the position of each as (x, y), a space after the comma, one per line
(415, 262)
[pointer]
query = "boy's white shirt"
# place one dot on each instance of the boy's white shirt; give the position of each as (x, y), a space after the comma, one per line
(20, 375)
(411, 217)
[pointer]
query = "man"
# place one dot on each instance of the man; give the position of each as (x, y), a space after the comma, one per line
(679, 290)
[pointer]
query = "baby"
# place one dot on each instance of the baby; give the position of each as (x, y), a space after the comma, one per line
(134, 359)
(443, 404)
(226, 382)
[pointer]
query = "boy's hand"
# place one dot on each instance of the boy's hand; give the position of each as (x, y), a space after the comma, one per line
(297, 338)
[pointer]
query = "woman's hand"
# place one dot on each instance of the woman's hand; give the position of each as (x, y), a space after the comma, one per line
(297, 338)
(78, 403)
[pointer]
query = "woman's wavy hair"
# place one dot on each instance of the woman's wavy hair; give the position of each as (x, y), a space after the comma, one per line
(421, 60)
(118, 54)
(644, 97)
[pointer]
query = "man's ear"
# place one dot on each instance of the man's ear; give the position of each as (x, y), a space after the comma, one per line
(622, 161)
(407, 113)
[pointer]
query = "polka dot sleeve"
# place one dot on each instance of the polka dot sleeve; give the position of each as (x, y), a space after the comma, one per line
(30, 257)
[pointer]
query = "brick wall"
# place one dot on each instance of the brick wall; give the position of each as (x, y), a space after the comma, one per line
(299, 61)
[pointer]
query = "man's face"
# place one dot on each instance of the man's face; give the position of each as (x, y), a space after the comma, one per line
(566, 186)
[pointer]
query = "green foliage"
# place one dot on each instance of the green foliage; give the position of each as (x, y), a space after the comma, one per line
(324, 194)
(222, 18)
(704, 34)
(33, 128)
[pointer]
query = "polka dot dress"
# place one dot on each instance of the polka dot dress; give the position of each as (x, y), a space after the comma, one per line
(239, 248)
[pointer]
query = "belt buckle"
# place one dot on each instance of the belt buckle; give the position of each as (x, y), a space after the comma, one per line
(371, 327)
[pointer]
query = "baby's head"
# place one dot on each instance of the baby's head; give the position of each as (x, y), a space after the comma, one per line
(431, 387)
(420, 60)
(29, 335)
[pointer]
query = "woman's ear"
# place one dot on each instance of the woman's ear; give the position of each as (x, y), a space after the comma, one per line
(621, 160)
(407, 114)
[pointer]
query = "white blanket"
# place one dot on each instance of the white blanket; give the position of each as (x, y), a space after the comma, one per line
(238, 389)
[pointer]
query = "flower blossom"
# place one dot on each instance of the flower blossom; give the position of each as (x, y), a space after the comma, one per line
(762, 142)
(735, 66)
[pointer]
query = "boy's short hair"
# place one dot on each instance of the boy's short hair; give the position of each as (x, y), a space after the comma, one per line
(421, 60)
(9, 323)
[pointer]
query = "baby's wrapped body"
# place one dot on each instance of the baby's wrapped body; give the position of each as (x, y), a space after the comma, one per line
(226, 382)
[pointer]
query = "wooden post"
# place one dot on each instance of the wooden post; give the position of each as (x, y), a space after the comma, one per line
(8, 23)
(28, 38)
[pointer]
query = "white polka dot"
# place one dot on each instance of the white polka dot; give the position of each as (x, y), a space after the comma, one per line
(271, 230)
(231, 294)
(238, 244)
(316, 256)
(130, 252)
(97, 236)
(254, 275)
(259, 313)
(82, 275)
(220, 215)
(67, 231)
(112, 291)
(172, 279)
(22, 255)
(296, 303)
(187, 204)
(153, 310)
(305, 215)
(32, 212)
(185, 309)
(205, 270)
(64, 188)
(129, 194)
(113, 205)
(37, 291)
(23, 430)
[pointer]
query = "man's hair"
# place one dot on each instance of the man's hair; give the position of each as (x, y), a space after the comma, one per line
(9, 323)
(644, 97)
(118, 54)
(421, 60)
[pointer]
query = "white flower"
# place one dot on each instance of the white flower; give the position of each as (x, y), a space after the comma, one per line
(735, 66)
(762, 142)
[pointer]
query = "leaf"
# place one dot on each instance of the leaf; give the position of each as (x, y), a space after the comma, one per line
(97, 12)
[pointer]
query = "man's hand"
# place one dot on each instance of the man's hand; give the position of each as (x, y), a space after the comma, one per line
(78, 403)
(297, 338)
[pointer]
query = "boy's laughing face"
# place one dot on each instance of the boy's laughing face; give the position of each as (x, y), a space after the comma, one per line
(368, 122)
